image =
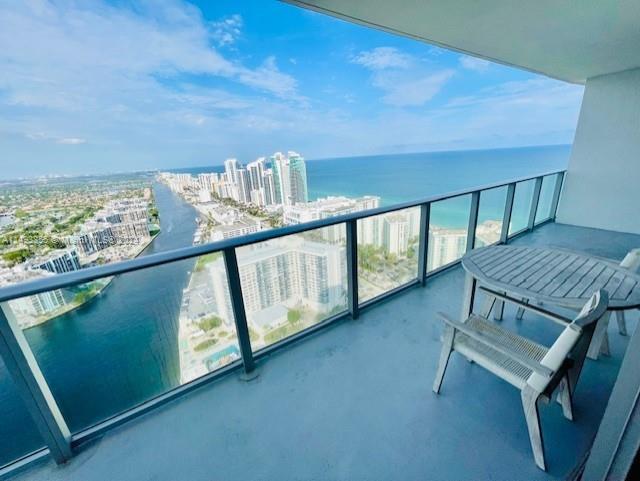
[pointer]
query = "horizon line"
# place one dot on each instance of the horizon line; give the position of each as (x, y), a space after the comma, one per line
(169, 169)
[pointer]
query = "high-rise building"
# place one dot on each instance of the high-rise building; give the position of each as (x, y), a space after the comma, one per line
(231, 167)
(330, 207)
(297, 178)
(395, 234)
(208, 181)
(256, 173)
(290, 178)
(59, 262)
(280, 168)
(290, 273)
(269, 188)
(243, 184)
(445, 246)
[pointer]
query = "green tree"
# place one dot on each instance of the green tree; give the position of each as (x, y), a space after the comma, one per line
(293, 316)
(17, 256)
(205, 344)
(210, 323)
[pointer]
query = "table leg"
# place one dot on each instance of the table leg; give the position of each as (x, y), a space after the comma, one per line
(487, 305)
(498, 311)
(599, 338)
(467, 301)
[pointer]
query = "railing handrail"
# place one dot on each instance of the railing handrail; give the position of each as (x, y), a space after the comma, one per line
(81, 276)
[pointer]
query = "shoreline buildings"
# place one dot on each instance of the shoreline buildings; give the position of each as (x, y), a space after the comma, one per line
(280, 181)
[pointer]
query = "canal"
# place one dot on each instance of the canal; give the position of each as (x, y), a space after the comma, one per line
(117, 351)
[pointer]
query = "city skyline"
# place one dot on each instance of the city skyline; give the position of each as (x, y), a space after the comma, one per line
(189, 83)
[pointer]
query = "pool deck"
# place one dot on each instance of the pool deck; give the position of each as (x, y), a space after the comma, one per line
(354, 402)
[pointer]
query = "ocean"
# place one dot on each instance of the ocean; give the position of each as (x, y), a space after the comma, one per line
(404, 177)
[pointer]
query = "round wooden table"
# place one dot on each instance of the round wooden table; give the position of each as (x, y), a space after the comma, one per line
(556, 277)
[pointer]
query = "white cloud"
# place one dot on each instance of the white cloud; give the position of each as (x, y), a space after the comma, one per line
(382, 58)
(405, 80)
(74, 50)
(42, 136)
(411, 91)
(118, 80)
(71, 141)
(474, 63)
(227, 31)
(269, 77)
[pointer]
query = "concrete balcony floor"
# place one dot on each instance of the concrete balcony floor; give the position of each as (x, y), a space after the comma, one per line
(355, 402)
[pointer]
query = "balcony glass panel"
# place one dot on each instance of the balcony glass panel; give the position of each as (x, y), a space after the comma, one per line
(546, 197)
(292, 283)
(521, 206)
(490, 214)
(108, 345)
(18, 435)
(387, 251)
(448, 231)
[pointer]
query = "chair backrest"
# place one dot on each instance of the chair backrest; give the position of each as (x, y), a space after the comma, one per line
(567, 343)
(632, 260)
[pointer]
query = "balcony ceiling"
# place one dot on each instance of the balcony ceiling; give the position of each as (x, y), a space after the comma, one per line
(564, 39)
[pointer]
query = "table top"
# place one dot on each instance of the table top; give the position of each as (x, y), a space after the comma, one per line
(556, 276)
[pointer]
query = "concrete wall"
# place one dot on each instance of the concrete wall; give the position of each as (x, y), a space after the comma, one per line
(602, 187)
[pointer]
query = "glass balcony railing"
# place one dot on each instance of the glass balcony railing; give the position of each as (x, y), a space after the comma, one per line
(126, 340)
(448, 231)
(387, 251)
(293, 283)
(19, 434)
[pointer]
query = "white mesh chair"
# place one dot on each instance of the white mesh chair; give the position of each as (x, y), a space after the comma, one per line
(532, 368)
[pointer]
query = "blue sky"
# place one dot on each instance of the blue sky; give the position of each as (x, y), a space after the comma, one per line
(95, 86)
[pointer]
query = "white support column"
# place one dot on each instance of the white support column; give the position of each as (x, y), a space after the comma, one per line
(601, 186)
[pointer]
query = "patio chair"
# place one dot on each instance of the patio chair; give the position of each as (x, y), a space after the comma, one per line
(631, 262)
(532, 368)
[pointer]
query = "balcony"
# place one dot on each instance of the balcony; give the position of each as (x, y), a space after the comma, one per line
(354, 401)
(300, 396)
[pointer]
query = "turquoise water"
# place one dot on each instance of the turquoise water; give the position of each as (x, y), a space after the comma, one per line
(408, 177)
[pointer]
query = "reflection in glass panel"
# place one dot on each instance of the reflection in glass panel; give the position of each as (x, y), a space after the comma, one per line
(387, 251)
(292, 283)
(18, 436)
(521, 206)
(490, 214)
(546, 197)
(448, 226)
(111, 344)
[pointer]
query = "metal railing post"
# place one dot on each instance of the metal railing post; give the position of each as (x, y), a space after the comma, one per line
(352, 268)
(423, 243)
(535, 200)
(508, 208)
(473, 220)
(239, 313)
(32, 387)
(556, 195)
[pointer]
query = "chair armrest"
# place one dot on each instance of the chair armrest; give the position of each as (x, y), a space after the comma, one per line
(488, 341)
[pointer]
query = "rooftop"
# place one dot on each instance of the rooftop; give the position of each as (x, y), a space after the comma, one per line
(355, 402)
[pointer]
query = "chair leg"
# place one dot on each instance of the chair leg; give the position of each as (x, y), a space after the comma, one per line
(564, 396)
(530, 406)
(447, 347)
(520, 312)
(599, 342)
(622, 323)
